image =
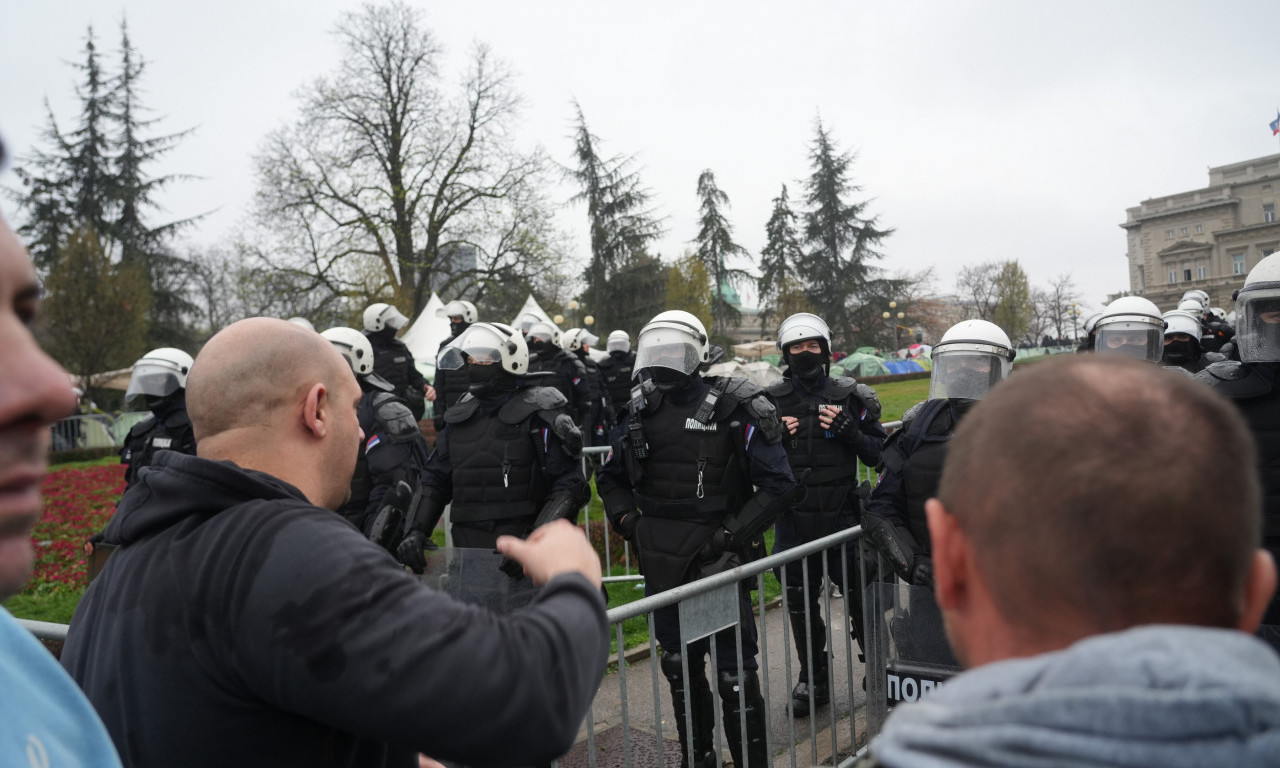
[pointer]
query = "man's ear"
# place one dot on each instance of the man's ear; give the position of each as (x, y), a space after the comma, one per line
(950, 556)
(315, 417)
(1258, 589)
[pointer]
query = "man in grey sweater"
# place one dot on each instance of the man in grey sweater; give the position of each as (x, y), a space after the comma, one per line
(1100, 592)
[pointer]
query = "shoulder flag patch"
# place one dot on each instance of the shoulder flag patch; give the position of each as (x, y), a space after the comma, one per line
(373, 441)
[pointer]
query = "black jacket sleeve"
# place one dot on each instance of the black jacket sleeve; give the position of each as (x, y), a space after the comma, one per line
(349, 639)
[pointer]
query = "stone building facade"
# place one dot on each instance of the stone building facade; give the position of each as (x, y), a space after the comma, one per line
(1207, 238)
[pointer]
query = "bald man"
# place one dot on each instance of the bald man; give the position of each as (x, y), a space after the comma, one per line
(1100, 592)
(241, 622)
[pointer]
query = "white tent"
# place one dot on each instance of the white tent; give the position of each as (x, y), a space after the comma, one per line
(426, 332)
(531, 306)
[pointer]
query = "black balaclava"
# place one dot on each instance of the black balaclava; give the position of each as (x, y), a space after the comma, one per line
(489, 380)
(458, 327)
(1181, 352)
(807, 365)
(671, 380)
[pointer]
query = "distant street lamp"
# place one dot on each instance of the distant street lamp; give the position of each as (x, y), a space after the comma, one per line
(589, 320)
(558, 319)
(896, 319)
(1075, 322)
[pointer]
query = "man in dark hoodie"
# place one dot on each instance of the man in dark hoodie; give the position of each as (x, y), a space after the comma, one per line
(1102, 599)
(831, 424)
(241, 622)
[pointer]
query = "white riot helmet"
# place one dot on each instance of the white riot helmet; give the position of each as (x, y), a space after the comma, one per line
(302, 321)
(801, 327)
(543, 332)
(575, 339)
(1258, 309)
(1219, 313)
(971, 358)
(354, 346)
(619, 341)
(674, 340)
(382, 315)
(1191, 304)
(526, 321)
(459, 308)
(1091, 322)
(1131, 326)
(487, 343)
(159, 373)
(1177, 321)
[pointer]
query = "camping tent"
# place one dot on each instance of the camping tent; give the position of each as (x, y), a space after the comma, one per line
(860, 365)
(424, 334)
(531, 306)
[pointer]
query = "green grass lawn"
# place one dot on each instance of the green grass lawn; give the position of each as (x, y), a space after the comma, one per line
(56, 603)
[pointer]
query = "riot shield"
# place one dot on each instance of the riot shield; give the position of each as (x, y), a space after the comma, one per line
(908, 654)
(473, 576)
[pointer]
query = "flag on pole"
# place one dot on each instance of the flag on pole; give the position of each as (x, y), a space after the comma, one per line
(1275, 124)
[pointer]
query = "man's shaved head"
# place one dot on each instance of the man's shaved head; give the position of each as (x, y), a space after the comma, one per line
(252, 370)
(1084, 488)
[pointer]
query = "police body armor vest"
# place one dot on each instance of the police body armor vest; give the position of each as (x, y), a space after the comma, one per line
(833, 462)
(558, 364)
(692, 479)
(616, 371)
(1258, 398)
(922, 449)
(391, 361)
(497, 470)
(152, 435)
(372, 408)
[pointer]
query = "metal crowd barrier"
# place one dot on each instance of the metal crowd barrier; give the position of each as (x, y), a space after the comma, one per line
(93, 430)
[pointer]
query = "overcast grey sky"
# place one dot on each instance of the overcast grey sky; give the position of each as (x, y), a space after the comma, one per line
(983, 130)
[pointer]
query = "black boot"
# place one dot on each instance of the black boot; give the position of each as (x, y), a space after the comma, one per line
(750, 745)
(810, 635)
(703, 710)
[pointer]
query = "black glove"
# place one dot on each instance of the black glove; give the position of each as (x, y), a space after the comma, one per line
(843, 425)
(922, 572)
(627, 526)
(511, 568)
(410, 551)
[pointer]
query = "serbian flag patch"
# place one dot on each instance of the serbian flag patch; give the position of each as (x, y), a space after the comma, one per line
(368, 446)
(747, 434)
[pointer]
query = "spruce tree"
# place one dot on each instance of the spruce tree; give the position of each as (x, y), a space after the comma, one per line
(621, 224)
(840, 237)
(779, 262)
(715, 248)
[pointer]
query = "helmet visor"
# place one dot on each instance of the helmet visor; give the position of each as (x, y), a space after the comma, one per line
(1259, 336)
(618, 345)
(152, 379)
(966, 373)
(476, 344)
(1131, 338)
(667, 348)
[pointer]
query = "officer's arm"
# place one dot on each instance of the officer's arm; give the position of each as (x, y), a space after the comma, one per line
(885, 522)
(776, 487)
(615, 489)
(569, 489)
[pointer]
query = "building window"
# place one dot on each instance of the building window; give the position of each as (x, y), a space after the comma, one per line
(1201, 273)
(1237, 263)
(1168, 234)
(1183, 231)
(1173, 275)
(1186, 274)
(1268, 212)
(1199, 229)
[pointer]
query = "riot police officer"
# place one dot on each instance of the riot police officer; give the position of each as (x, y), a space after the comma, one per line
(1182, 343)
(971, 357)
(560, 369)
(599, 419)
(392, 360)
(1086, 344)
(509, 456)
(393, 452)
(160, 377)
(451, 385)
(1253, 383)
(1131, 326)
(830, 425)
(616, 371)
(697, 474)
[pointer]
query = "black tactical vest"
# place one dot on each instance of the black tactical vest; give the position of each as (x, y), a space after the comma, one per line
(562, 368)
(497, 471)
(171, 432)
(616, 372)
(450, 385)
(813, 447)
(924, 443)
(693, 471)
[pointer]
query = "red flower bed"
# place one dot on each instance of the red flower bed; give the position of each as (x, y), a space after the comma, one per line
(77, 504)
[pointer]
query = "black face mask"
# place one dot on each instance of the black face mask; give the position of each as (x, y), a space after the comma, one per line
(457, 328)
(1179, 352)
(483, 378)
(807, 364)
(669, 379)
(970, 384)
